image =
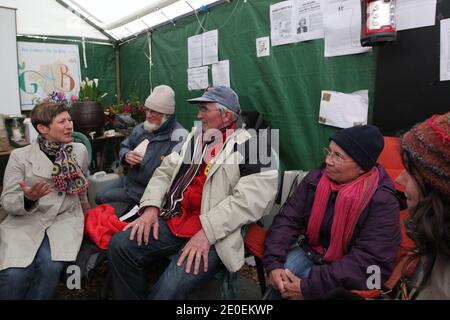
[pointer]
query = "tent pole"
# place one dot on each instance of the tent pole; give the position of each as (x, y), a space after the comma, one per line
(117, 56)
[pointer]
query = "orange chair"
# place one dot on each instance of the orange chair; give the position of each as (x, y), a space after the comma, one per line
(254, 245)
(391, 160)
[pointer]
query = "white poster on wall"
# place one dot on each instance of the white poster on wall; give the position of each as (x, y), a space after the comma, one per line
(9, 85)
(342, 27)
(282, 29)
(415, 14)
(308, 19)
(210, 47)
(445, 50)
(344, 110)
(263, 47)
(221, 73)
(47, 67)
(195, 51)
(296, 21)
(197, 78)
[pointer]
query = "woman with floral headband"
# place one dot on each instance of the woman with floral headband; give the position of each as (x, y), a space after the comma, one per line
(44, 194)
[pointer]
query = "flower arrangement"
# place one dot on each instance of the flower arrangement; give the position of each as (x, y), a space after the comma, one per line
(89, 90)
(60, 97)
(134, 108)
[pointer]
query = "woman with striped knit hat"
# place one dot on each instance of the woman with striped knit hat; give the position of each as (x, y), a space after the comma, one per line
(426, 156)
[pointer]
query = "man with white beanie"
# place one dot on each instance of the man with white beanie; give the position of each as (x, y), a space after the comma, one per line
(145, 148)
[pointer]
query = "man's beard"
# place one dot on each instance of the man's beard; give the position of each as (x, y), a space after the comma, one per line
(150, 127)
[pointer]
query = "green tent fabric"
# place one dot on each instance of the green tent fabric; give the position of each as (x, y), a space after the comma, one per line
(284, 87)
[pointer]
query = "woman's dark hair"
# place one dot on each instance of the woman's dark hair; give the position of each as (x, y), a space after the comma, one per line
(428, 224)
(45, 112)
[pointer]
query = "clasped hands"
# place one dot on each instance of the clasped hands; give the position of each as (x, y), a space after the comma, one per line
(287, 283)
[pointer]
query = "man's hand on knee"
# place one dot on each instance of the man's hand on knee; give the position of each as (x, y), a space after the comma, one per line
(194, 250)
(142, 226)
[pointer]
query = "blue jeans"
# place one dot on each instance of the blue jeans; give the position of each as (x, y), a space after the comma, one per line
(127, 261)
(115, 192)
(299, 264)
(38, 281)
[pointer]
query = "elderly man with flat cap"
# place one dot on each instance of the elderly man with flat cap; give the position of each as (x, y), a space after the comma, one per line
(195, 206)
(154, 138)
(340, 228)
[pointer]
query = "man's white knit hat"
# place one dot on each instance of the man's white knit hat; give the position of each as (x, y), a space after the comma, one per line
(162, 100)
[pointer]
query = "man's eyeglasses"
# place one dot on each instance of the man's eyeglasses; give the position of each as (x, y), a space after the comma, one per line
(336, 157)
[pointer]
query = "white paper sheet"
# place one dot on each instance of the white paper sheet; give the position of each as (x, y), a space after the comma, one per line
(198, 78)
(142, 147)
(195, 51)
(221, 73)
(263, 47)
(210, 47)
(282, 29)
(308, 19)
(130, 213)
(411, 14)
(445, 50)
(342, 27)
(343, 110)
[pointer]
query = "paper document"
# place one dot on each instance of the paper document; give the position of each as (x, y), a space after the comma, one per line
(210, 47)
(221, 73)
(263, 47)
(281, 25)
(343, 110)
(195, 51)
(342, 27)
(308, 19)
(445, 50)
(411, 14)
(198, 78)
(130, 213)
(142, 147)
(296, 20)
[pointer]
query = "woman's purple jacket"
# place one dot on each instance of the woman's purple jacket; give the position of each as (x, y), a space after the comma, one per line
(374, 243)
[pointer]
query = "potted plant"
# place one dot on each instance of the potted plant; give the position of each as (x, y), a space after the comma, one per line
(87, 112)
(124, 116)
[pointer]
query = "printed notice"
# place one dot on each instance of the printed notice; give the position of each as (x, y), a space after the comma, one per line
(281, 23)
(195, 51)
(263, 47)
(221, 73)
(210, 47)
(342, 27)
(308, 19)
(197, 78)
(415, 13)
(445, 50)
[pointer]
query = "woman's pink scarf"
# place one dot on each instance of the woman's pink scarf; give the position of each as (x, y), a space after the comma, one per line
(352, 199)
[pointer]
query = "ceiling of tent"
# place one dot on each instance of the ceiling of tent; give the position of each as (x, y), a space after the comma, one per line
(97, 19)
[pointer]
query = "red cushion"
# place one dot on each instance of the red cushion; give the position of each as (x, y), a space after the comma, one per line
(391, 160)
(254, 240)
